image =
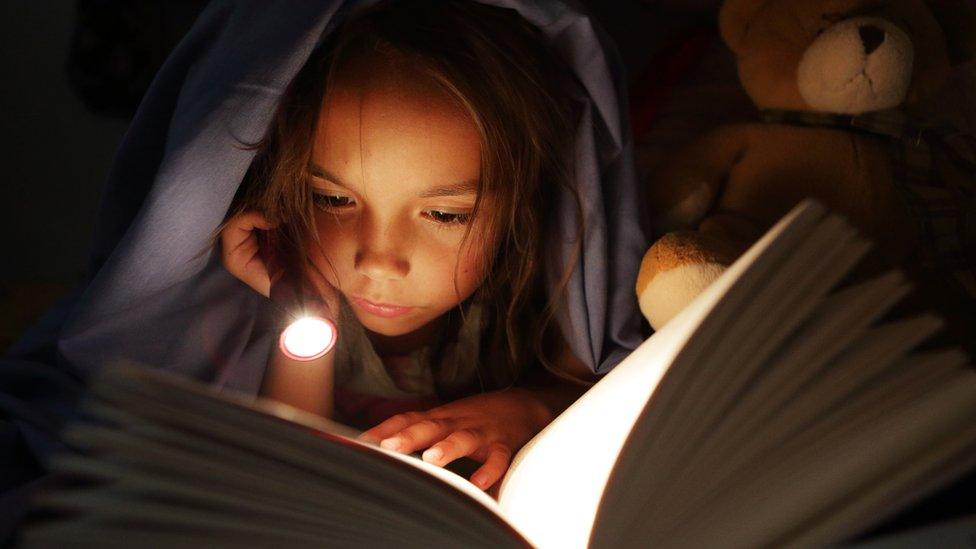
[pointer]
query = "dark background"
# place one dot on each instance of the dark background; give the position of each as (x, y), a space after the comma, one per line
(60, 132)
(55, 155)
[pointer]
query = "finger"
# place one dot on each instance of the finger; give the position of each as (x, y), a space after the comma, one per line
(241, 226)
(253, 219)
(240, 250)
(499, 456)
(419, 435)
(246, 264)
(236, 248)
(457, 444)
(256, 276)
(390, 426)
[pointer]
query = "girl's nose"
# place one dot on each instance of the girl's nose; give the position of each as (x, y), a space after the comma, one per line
(381, 253)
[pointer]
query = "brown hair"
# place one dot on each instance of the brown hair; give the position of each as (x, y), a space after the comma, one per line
(498, 67)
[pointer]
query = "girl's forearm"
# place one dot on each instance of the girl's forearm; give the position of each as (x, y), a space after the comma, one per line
(565, 380)
(556, 398)
(304, 385)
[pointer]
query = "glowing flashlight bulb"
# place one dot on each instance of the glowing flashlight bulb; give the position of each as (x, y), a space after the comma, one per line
(308, 338)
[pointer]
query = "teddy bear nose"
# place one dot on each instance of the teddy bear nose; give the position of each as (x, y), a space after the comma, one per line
(871, 37)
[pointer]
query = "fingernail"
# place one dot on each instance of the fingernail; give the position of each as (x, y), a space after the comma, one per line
(478, 480)
(433, 455)
(392, 443)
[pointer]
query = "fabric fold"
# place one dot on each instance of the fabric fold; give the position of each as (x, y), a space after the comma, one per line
(158, 294)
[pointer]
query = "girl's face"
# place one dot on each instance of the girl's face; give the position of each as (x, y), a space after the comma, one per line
(395, 166)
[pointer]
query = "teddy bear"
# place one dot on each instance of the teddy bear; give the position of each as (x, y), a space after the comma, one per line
(840, 86)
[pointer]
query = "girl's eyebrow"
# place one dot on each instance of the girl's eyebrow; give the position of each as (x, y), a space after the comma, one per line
(454, 189)
(319, 171)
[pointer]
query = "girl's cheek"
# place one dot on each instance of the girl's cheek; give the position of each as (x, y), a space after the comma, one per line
(326, 254)
(471, 268)
(326, 266)
(476, 253)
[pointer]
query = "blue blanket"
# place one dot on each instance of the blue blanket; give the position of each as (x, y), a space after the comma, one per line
(157, 293)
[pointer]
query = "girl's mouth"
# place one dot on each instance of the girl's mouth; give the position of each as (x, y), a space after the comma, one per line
(380, 309)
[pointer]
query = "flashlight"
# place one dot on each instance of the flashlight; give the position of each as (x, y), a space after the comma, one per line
(308, 338)
(309, 334)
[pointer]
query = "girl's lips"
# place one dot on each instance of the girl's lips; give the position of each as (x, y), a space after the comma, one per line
(381, 309)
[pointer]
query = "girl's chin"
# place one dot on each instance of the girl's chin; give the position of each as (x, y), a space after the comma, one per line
(390, 327)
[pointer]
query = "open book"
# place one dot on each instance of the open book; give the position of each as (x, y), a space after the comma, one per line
(777, 409)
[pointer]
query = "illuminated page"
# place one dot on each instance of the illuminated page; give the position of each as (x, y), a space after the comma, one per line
(555, 484)
(553, 487)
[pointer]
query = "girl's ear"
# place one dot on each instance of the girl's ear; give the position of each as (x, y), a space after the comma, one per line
(734, 19)
(958, 21)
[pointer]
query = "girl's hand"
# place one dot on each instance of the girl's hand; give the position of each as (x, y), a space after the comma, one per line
(488, 427)
(240, 251)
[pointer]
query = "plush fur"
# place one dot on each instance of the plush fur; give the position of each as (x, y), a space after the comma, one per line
(715, 197)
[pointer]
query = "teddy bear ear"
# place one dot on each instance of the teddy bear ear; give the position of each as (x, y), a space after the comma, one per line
(958, 21)
(734, 18)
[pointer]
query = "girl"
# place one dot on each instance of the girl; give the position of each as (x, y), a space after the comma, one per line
(385, 226)
(410, 165)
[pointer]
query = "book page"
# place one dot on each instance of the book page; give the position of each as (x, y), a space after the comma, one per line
(957, 532)
(322, 427)
(239, 464)
(789, 415)
(555, 483)
(845, 479)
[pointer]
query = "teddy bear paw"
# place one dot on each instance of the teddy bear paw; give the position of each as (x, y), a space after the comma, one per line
(668, 292)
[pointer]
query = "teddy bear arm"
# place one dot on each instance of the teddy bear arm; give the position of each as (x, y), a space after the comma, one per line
(729, 234)
(681, 264)
(685, 188)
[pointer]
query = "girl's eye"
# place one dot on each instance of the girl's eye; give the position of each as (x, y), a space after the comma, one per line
(445, 218)
(331, 202)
